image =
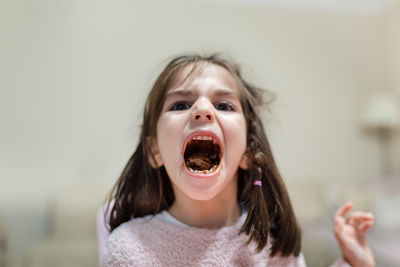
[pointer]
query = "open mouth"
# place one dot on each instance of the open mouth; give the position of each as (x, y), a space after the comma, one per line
(202, 155)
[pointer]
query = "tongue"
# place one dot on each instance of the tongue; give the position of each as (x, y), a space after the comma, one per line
(199, 162)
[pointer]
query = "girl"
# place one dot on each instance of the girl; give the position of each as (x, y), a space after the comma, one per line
(202, 187)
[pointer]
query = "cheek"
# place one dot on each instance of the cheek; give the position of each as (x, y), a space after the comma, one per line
(168, 137)
(236, 136)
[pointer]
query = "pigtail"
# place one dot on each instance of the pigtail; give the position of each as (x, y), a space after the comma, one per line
(269, 208)
(257, 208)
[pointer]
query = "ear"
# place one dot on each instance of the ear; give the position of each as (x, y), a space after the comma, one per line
(155, 162)
(245, 161)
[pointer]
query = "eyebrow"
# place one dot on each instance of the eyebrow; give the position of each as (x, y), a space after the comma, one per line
(217, 92)
(179, 92)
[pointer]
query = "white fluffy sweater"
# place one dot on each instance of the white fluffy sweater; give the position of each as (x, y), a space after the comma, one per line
(152, 241)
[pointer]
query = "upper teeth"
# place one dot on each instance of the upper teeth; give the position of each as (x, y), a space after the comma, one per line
(209, 138)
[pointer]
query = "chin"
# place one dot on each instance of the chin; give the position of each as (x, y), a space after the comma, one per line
(206, 188)
(200, 196)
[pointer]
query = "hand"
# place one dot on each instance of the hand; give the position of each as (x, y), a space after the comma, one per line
(350, 234)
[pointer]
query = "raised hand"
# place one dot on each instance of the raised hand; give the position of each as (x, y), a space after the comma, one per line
(350, 233)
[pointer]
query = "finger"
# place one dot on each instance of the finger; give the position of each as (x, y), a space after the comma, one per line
(364, 223)
(361, 230)
(339, 220)
(342, 211)
(358, 218)
(364, 228)
(362, 216)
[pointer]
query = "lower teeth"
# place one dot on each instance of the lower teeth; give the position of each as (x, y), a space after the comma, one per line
(203, 171)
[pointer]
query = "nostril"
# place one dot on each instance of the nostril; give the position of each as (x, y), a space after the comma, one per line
(202, 117)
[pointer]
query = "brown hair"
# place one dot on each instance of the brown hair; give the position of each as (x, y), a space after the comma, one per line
(142, 190)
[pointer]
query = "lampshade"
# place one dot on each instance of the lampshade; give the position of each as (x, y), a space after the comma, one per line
(382, 113)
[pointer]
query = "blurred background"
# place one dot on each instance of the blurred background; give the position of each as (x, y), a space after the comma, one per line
(74, 76)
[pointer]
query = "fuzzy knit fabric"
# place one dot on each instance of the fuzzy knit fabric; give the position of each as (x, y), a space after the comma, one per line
(151, 241)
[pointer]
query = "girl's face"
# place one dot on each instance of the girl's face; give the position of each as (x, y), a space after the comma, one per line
(201, 133)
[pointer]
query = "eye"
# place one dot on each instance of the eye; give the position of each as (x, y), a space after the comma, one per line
(224, 106)
(179, 106)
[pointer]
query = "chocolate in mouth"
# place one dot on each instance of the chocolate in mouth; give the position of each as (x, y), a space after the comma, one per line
(202, 155)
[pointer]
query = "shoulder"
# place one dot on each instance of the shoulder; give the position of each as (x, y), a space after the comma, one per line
(127, 242)
(132, 228)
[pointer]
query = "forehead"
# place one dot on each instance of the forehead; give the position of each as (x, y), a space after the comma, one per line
(204, 73)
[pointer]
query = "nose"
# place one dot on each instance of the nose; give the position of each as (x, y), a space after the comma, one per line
(203, 111)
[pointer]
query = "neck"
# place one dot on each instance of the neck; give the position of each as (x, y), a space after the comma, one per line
(215, 213)
(206, 214)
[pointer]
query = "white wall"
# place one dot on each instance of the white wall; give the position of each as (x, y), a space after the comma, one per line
(75, 75)
(392, 26)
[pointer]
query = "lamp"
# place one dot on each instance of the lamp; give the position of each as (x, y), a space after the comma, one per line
(382, 119)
